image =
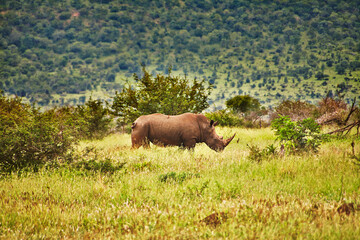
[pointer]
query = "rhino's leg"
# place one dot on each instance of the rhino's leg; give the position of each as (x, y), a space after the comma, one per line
(146, 143)
(189, 144)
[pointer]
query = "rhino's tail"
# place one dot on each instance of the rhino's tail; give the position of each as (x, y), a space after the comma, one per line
(133, 125)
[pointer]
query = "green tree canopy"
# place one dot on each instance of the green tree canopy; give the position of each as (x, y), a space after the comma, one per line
(243, 103)
(163, 94)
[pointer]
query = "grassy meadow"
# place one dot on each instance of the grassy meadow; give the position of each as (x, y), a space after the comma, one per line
(168, 193)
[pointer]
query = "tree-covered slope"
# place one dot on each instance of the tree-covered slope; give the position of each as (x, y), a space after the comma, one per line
(272, 50)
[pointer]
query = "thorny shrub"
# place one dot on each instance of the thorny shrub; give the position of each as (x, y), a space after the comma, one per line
(331, 110)
(296, 110)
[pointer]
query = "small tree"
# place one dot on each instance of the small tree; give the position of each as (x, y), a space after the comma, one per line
(298, 136)
(162, 94)
(94, 119)
(243, 104)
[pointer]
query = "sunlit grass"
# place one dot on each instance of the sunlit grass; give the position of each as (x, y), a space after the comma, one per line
(294, 196)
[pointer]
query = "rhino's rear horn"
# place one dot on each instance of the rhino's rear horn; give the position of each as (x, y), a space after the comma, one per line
(227, 141)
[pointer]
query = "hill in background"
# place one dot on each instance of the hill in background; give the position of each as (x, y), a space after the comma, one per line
(60, 52)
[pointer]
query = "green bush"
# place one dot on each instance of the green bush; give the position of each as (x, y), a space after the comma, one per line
(231, 119)
(89, 121)
(298, 136)
(94, 119)
(29, 138)
(243, 104)
(225, 118)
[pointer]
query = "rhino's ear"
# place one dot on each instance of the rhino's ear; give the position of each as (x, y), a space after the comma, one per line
(212, 123)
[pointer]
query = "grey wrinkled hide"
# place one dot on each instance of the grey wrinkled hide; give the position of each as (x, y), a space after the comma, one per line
(183, 130)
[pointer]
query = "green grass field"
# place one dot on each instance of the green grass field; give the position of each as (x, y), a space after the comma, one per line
(168, 193)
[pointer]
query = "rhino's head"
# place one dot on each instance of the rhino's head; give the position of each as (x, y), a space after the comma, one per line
(214, 141)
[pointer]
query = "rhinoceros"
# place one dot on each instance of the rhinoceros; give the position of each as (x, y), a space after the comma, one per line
(183, 130)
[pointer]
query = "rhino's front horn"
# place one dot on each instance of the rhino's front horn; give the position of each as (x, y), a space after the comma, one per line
(227, 141)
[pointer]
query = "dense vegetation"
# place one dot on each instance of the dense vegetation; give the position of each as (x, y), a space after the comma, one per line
(30, 139)
(272, 50)
(62, 174)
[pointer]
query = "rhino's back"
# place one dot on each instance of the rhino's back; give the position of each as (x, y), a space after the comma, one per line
(170, 120)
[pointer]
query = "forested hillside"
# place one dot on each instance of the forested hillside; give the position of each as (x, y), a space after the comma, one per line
(57, 52)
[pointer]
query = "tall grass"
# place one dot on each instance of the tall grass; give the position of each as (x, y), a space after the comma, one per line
(170, 193)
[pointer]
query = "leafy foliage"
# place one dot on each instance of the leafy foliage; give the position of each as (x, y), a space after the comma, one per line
(243, 104)
(89, 121)
(29, 138)
(298, 136)
(225, 118)
(95, 119)
(163, 94)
